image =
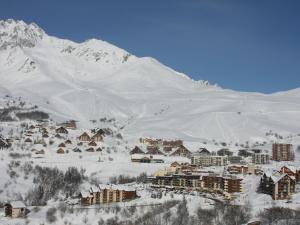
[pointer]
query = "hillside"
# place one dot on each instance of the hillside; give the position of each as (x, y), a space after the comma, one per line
(94, 79)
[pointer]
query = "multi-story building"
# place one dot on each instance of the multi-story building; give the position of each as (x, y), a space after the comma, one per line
(209, 160)
(282, 152)
(107, 194)
(260, 158)
(209, 182)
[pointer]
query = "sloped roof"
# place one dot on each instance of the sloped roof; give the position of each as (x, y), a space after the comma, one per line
(17, 204)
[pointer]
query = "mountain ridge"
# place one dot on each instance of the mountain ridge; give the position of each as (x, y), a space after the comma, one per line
(94, 79)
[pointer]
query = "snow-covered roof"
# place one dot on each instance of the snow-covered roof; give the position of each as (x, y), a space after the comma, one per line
(85, 194)
(115, 187)
(140, 156)
(17, 204)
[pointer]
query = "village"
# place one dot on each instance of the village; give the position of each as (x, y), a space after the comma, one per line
(218, 175)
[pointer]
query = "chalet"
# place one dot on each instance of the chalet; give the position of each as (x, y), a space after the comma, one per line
(282, 152)
(175, 164)
(71, 124)
(181, 151)
(76, 150)
(203, 151)
(97, 137)
(292, 171)
(28, 140)
(136, 150)
(86, 198)
(15, 209)
(279, 186)
(40, 152)
(60, 151)
(58, 136)
(84, 137)
(41, 142)
(224, 152)
(68, 142)
(62, 145)
(167, 149)
(153, 150)
(61, 130)
(91, 149)
(99, 149)
(92, 143)
(173, 143)
(101, 132)
(45, 135)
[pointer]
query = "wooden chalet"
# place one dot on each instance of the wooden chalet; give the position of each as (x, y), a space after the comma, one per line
(28, 140)
(99, 149)
(76, 150)
(60, 151)
(68, 142)
(181, 151)
(40, 152)
(71, 124)
(97, 137)
(61, 130)
(153, 151)
(173, 143)
(92, 143)
(91, 149)
(84, 137)
(136, 150)
(279, 186)
(62, 145)
(292, 171)
(86, 198)
(45, 135)
(15, 209)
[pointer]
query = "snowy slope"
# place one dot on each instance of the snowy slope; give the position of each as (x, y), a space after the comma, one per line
(95, 79)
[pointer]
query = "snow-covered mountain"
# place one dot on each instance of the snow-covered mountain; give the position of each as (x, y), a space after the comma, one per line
(95, 79)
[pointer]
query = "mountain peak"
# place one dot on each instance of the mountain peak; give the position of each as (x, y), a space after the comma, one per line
(18, 33)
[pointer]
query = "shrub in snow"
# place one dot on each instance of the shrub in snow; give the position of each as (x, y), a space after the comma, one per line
(51, 215)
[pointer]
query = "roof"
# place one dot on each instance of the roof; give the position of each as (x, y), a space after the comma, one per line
(115, 187)
(17, 204)
(85, 194)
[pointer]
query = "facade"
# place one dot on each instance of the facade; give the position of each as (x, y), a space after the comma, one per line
(15, 209)
(181, 151)
(209, 160)
(282, 152)
(136, 150)
(97, 137)
(107, 194)
(237, 169)
(260, 158)
(84, 137)
(61, 130)
(279, 186)
(291, 171)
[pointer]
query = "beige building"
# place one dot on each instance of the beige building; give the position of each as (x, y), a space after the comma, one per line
(209, 160)
(107, 194)
(15, 209)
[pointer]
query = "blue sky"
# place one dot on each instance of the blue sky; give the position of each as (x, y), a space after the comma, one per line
(242, 45)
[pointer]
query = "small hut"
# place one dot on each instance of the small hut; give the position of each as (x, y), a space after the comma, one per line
(92, 143)
(15, 209)
(90, 149)
(60, 151)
